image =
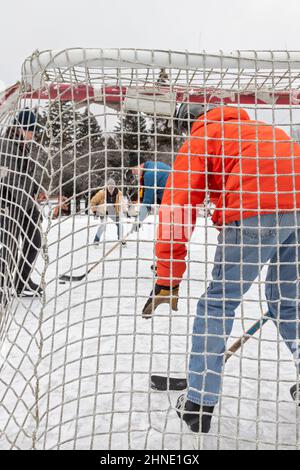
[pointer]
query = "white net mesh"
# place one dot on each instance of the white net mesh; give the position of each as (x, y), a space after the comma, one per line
(77, 356)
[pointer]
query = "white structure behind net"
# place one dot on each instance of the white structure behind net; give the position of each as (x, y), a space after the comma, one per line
(76, 363)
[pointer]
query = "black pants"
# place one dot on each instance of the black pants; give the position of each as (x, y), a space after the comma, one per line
(15, 263)
(31, 244)
(9, 250)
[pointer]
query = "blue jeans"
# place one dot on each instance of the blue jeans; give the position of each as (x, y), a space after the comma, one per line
(243, 249)
(111, 213)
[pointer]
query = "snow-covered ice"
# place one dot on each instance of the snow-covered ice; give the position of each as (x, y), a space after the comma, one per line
(75, 371)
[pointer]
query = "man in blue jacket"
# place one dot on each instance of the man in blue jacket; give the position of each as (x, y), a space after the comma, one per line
(153, 177)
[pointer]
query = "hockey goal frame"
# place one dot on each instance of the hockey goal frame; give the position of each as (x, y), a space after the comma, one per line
(263, 79)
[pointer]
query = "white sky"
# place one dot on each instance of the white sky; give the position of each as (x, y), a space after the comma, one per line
(162, 24)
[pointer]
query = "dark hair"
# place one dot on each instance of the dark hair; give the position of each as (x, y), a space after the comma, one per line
(134, 159)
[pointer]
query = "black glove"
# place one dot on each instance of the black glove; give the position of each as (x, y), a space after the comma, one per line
(154, 268)
(136, 226)
(162, 295)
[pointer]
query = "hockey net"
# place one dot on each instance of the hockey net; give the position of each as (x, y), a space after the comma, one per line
(76, 362)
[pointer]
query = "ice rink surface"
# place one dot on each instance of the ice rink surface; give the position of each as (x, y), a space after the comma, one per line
(75, 372)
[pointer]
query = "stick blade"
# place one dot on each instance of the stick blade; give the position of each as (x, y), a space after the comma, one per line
(66, 278)
(162, 383)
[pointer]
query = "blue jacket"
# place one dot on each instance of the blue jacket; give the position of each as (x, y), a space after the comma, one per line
(155, 178)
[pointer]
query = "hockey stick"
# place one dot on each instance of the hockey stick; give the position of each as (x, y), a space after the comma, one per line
(162, 383)
(66, 278)
(243, 339)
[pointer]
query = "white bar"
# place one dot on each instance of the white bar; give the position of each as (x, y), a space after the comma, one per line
(159, 105)
(127, 58)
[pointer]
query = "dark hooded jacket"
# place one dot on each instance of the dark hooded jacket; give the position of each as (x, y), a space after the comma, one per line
(18, 184)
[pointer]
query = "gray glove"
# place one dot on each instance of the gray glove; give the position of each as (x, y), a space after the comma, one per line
(144, 212)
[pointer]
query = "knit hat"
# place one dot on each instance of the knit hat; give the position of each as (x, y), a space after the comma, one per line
(26, 119)
(188, 113)
(111, 182)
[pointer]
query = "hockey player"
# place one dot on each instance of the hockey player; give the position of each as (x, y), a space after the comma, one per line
(108, 203)
(152, 177)
(62, 209)
(251, 170)
(20, 212)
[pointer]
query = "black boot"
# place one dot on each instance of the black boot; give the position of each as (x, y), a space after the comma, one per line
(35, 288)
(198, 418)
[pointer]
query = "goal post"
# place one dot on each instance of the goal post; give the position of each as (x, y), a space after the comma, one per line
(76, 358)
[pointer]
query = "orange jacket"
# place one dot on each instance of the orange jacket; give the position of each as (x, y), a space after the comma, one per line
(247, 167)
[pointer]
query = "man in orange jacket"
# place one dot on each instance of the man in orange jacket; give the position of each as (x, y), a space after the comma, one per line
(252, 173)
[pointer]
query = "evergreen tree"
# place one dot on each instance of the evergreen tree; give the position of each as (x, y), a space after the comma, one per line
(59, 121)
(89, 135)
(131, 132)
(165, 140)
(111, 142)
(73, 142)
